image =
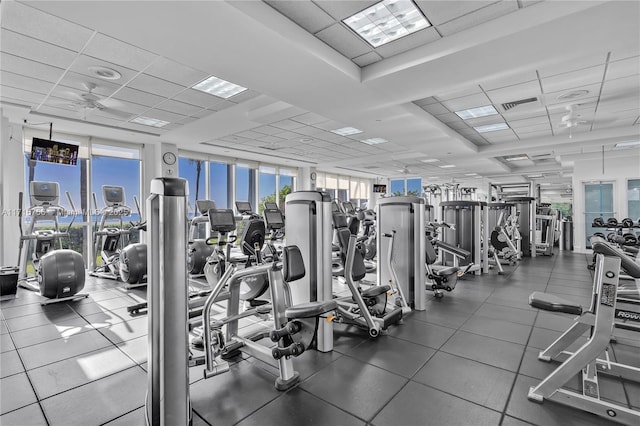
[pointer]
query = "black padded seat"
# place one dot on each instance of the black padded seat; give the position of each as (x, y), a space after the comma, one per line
(310, 310)
(553, 303)
(445, 272)
(630, 266)
(376, 290)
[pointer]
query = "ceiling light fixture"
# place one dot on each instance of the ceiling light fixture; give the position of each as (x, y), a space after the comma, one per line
(386, 21)
(430, 160)
(491, 127)
(105, 73)
(627, 144)
(148, 121)
(470, 174)
(346, 131)
(447, 166)
(374, 141)
(483, 111)
(534, 176)
(219, 87)
(519, 157)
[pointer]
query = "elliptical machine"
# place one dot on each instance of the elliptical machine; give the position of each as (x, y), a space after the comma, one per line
(59, 273)
(111, 242)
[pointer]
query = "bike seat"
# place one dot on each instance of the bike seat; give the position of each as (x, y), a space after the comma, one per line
(553, 303)
(310, 310)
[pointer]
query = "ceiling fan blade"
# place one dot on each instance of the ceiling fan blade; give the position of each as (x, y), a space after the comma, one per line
(115, 112)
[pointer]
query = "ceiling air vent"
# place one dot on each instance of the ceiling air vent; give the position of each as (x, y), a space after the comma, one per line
(508, 105)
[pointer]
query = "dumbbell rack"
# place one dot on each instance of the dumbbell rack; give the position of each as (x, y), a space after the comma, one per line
(618, 230)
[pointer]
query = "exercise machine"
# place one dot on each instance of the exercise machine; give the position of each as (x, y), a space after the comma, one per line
(59, 274)
(468, 231)
(600, 319)
(198, 250)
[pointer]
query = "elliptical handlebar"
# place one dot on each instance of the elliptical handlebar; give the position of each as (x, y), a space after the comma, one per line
(73, 209)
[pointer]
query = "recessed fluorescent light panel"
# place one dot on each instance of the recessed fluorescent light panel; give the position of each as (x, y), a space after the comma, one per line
(534, 176)
(470, 174)
(346, 131)
(483, 111)
(430, 160)
(627, 144)
(387, 21)
(219, 87)
(447, 166)
(148, 121)
(491, 127)
(517, 157)
(373, 141)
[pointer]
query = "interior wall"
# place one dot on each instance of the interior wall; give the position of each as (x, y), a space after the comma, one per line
(619, 166)
(11, 183)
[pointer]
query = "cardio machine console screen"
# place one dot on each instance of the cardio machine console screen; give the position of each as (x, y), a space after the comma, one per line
(273, 218)
(272, 206)
(113, 194)
(243, 207)
(222, 220)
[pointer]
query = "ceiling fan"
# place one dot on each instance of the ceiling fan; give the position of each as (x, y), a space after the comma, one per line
(88, 102)
(404, 170)
(571, 119)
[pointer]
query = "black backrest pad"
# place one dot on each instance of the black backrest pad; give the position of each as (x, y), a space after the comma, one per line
(339, 220)
(431, 255)
(628, 264)
(292, 263)
(359, 270)
(253, 233)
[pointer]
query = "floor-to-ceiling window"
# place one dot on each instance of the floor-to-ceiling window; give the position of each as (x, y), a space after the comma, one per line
(219, 184)
(286, 185)
(267, 186)
(397, 187)
(246, 184)
(414, 186)
(598, 202)
(633, 202)
(193, 170)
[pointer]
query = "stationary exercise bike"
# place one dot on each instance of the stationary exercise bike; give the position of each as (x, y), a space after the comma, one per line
(59, 273)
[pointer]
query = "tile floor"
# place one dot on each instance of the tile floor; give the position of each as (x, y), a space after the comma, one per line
(469, 359)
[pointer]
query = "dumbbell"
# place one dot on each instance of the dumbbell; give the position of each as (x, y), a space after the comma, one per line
(627, 222)
(598, 222)
(612, 222)
(611, 237)
(630, 239)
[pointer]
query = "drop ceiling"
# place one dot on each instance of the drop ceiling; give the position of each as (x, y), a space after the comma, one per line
(308, 74)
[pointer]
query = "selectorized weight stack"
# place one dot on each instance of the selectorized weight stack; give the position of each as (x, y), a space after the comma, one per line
(308, 226)
(404, 216)
(525, 206)
(467, 218)
(168, 401)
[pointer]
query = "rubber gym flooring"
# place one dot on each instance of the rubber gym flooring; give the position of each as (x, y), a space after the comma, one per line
(469, 359)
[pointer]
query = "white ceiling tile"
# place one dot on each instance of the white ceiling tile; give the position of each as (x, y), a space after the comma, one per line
(202, 113)
(438, 12)
(574, 64)
(458, 125)
(510, 80)
(288, 135)
(267, 130)
(523, 111)
(620, 122)
(624, 68)
(516, 92)
(83, 62)
(310, 131)
(219, 106)
(411, 41)
(118, 52)
(459, 93)
(344, 41)
(175, 72)
(147, 83)
(36, 50)
(28, 68)
(163, 115)
(529, 135)
(329, 125)
(449, 118)
(244, 96)
(304, 13)
(288, 124)
(19, 81)
(533, 128)
(426, 101)
(500, 136)
(343, 9)
(309, 118)
(178, 107)
(436, 109)
(367, 59)
(617, 105)
(34, 23)
(80, 82)
(528, 122)
(138, 97)
(250, 134)
(478, 17)
(198, 98)
(24, 96)
(472, 101)
(574, 79)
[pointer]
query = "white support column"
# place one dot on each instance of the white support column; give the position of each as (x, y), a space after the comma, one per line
(306, 178)
(11, 183)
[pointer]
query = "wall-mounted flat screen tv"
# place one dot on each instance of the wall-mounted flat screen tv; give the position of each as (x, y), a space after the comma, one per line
(54, 152)
(380, 189)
